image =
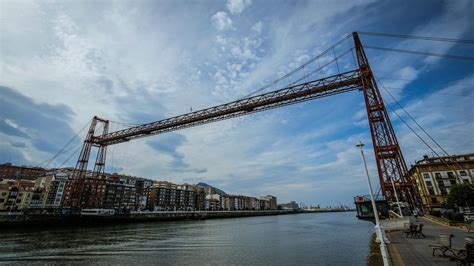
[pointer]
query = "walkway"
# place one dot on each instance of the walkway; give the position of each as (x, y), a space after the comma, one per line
(409, 251)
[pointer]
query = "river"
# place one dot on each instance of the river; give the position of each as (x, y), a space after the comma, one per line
(300, 239)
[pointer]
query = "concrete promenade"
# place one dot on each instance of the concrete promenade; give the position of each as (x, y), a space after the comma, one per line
(409, 251)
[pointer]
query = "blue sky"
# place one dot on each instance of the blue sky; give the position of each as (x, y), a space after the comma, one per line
(63, 62)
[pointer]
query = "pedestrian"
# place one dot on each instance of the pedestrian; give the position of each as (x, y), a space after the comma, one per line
(415, 213)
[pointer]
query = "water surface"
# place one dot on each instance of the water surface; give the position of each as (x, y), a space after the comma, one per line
(302, 239)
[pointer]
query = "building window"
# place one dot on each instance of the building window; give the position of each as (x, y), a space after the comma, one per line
(428, 183)
(438, 175)
(434, 200)
(450, 175)
(463, 173)
(426, 176)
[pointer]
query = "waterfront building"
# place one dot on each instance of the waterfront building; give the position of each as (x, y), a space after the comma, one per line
(228, 203)
(247, 203)
(268, 202)
(10, 171)
(15, 195)
(141, 185)
(210, 189)
(120, 196)
(185, 197)
(162, 196)
(255, 204)
(41, 190)
(289, 206)
(213, 202)
(56, 190)
(166, 196)
(434, 176)
(200, 198)
(87, 193)
(4, 191)
(239, 202)
(123, 184)
(48, 190)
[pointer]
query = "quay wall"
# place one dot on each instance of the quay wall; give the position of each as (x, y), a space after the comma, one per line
(22, 220)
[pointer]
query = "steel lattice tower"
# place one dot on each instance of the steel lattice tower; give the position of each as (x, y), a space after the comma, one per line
(388, 155)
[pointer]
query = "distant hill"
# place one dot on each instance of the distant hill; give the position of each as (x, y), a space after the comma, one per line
(216, 190)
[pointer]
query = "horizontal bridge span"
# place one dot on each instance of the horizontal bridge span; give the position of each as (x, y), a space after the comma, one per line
(336, 84)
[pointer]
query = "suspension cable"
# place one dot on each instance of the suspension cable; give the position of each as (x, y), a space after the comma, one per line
(70, 156)
(426, 38)
(320, 68)
(429, 136)
(411, 80)
(457, 57)
(437, 92)
(127, 124)
(299, 67)
(76, 135)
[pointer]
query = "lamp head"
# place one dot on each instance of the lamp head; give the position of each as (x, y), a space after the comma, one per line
(360, 145)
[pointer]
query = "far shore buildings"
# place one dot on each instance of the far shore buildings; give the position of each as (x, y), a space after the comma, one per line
(10, 171)
(15, 195)
(289, 206)
(434, 176)
(45, 190)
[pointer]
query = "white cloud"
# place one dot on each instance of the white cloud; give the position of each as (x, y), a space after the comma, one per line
(258, 27)
(237, 6)
(131, 62)
(222, 21)
(447, 114)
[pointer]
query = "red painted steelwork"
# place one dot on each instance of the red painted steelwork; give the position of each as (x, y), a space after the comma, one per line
(388, 155)
(86, 188)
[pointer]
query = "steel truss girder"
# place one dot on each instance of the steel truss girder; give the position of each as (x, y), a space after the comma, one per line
(336, 84)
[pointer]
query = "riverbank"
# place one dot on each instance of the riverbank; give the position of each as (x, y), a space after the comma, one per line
(21, 220)
(327, 210)
(374, 258)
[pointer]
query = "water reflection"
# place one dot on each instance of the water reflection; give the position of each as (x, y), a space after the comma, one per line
(325, 238)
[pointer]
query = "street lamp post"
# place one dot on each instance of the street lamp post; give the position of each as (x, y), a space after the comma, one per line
(378, 229)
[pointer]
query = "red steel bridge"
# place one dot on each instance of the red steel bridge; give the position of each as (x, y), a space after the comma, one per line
(86, 188)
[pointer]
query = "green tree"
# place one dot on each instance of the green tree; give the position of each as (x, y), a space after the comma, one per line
(461, 195)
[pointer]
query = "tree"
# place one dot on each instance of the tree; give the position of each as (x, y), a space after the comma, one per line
(461, 195)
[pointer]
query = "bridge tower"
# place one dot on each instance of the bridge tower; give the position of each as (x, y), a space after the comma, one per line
(388, 155)
(86, 189)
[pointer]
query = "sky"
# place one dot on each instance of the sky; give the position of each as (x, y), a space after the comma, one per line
(132, 62)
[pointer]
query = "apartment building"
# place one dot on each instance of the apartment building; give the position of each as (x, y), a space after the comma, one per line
(434, 176)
